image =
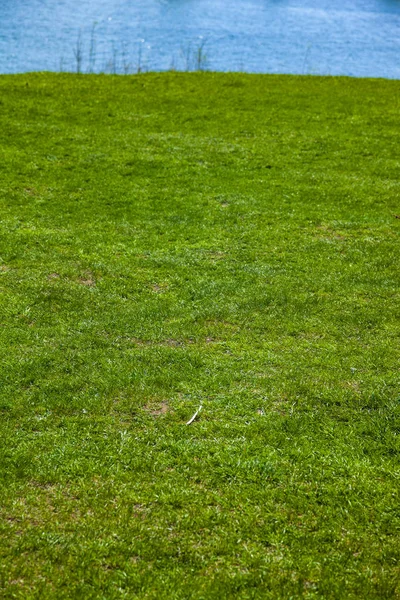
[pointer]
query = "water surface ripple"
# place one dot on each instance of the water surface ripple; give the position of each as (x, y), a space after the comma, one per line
(350, 37)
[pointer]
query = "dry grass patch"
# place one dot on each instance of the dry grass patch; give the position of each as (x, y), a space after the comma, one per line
(157, 409)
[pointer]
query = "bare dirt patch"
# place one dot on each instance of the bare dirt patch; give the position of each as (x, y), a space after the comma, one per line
(159, 288)
(325, 232)
(157, 409)
(87, 279)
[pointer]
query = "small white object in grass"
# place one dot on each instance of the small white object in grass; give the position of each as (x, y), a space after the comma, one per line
(194, 416)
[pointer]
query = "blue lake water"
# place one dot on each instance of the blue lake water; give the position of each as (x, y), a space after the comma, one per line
(344, 37)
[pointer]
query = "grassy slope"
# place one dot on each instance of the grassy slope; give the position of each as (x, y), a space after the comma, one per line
(176, 239)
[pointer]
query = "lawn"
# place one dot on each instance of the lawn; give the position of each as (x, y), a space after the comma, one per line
(176, 240)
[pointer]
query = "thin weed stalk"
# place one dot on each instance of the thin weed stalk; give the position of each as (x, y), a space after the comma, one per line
(186, 52)
(92, 50)
(125, 64)
(114, 61)
(200, 57)
(78, 52)
(139, 60)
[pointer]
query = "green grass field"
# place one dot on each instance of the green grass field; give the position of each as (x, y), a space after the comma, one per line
(177, 240)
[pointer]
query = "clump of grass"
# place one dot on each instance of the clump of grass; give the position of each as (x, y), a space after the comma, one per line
(176, 240)
(119, 60)
(194, 58)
